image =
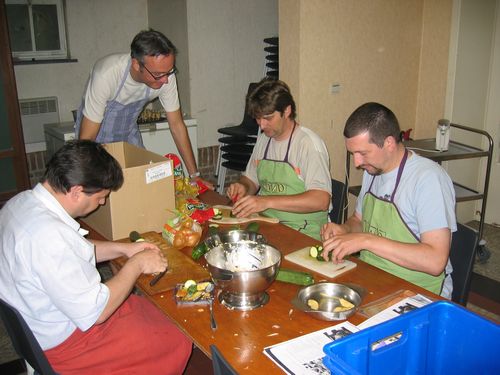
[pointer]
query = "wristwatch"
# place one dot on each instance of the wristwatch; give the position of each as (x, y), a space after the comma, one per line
(194, 175)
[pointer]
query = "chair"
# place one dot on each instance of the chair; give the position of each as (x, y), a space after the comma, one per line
(338, 202)
(23, 340)
(243, 134)
(463, 249)
(221, 366)
(271, 67)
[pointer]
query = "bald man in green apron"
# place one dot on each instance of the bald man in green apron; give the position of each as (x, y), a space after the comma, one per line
(405, 212)
(288, 174)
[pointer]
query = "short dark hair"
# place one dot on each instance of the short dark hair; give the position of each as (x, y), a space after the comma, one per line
(268, 96)
(151, 43)
(85, 163)
(375, 118)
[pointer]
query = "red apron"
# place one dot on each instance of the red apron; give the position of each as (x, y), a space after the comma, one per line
(137, 339)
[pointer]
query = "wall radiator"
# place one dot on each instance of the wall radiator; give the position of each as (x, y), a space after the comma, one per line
(36, 112)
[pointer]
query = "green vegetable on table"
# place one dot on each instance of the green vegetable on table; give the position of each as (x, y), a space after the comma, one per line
(213, 229)
(294, 277)
(253, 227)
(317, 253)
(199, 250)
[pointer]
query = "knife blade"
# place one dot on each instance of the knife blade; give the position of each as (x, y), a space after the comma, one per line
(157, 278)
(134, 236)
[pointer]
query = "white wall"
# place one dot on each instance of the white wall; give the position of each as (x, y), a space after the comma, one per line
(226, 53)
(171, 19)
(493, 124)
(469, 98)
(95, 28)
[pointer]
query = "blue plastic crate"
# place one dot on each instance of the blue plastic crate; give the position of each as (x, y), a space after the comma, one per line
(440, 338)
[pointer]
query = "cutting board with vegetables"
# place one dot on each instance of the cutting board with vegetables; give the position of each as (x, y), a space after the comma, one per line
(328, 269)
(225, 217)
(180, 267)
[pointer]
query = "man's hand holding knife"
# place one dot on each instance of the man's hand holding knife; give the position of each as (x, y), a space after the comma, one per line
(154, 261)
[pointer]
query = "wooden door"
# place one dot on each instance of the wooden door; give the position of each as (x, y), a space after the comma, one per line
(13, 166)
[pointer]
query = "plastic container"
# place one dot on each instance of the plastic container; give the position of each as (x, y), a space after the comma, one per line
(440, 338)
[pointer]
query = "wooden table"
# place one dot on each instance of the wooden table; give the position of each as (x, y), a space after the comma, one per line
(241, 336)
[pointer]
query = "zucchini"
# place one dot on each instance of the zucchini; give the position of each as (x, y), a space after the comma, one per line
(213, 229)
(317, 253)
(199, 250)
(217, 214)
(253, 227)
(294, 277)
(134, 236)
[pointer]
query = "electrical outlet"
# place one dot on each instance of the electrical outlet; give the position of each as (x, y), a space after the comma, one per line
(335, 88)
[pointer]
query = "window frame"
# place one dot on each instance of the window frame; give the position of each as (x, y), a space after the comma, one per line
(62, 52)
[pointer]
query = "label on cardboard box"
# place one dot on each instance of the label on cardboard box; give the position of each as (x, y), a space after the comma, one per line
(158, 172)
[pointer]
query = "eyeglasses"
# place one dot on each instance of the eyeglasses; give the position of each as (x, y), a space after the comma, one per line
(157, 77)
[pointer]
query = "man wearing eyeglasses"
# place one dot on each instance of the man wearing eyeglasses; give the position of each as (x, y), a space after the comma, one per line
(119, 87)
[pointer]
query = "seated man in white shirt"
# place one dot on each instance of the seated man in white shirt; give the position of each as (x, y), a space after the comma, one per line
(48, 273)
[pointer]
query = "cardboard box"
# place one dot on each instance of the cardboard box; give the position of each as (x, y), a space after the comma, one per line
(144, 200)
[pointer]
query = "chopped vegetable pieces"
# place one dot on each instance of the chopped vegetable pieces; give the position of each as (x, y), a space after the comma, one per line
(313, 304)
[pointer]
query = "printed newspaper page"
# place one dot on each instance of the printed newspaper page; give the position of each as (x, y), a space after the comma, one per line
(304, 355)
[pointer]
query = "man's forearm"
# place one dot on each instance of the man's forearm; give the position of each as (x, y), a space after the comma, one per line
(120, 287)
(250, 186)
(309, 201)
(180, 135)
(429, 256)
(88, 129)
(353, 224)
(183, 143)
(107, 250)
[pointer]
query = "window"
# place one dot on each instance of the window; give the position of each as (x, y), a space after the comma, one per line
(36, 29)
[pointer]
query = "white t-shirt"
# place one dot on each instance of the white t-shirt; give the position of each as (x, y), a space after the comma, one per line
(105, 80)
(308, 154)
(47, 269)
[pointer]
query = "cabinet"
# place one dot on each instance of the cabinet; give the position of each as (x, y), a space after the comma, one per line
(456, 151)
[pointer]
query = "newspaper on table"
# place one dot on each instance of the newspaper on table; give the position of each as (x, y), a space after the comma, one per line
(304, 355)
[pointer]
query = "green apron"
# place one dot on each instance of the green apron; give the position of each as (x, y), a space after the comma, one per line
(278, 177)
(381, 217)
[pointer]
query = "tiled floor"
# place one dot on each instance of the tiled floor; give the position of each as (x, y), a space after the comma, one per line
(491, 235)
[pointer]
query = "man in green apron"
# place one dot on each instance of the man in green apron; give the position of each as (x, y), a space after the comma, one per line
(405, 212)
(288, 174)
(119, 87)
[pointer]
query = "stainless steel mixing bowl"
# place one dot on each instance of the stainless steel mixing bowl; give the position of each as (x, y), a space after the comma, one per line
(243, 270)
(233, 236)
(327, 296)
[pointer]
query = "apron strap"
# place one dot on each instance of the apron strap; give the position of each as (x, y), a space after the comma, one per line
(398, 178)
(289, 143)
(400, 173)
(124, 78)
(287, 148)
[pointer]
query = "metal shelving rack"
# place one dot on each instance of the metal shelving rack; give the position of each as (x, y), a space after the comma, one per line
(456, 151)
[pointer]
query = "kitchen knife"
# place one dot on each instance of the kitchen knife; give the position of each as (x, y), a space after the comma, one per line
(134, 236)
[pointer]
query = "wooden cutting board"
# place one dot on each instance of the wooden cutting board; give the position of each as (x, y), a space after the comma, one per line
(328, 269)
(180, 267)
(227, 219)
